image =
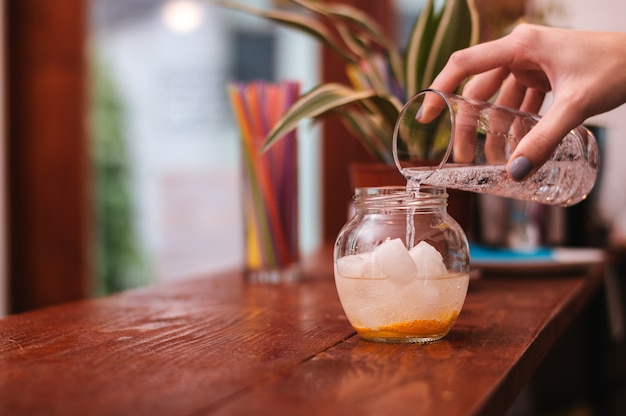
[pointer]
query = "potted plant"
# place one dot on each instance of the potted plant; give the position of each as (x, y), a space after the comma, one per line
(382, 77)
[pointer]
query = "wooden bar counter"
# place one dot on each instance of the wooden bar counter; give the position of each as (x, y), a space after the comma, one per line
(218, 346)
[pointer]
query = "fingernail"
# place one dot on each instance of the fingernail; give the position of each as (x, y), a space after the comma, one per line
(419, 113)
(520, 168)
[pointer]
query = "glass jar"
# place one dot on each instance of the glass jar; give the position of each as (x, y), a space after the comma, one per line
(401, 265)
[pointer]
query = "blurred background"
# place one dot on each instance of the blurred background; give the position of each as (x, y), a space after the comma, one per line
(155, 139)
(120, 154)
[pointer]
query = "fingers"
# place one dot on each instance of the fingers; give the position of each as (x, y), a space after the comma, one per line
(521, 53)
(502, 122)
(465, 131)
(511, 94)
(431, 107)
(527, 64)
(533, 101)
(537, 146)
(486, 59)
(486, 85)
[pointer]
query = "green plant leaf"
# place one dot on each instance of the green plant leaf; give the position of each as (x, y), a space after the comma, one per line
(457, 29)
(418, 47)
(375, 138)
(436, 35)
(373, 121)
(359, 31)
(386, 107)
(371, 109)
(296, 21)
(372, 73)
(315, 103)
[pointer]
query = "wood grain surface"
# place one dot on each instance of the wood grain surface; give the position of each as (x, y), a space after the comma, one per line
(219, 346)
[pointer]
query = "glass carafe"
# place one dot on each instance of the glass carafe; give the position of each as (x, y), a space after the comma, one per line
(448, 140)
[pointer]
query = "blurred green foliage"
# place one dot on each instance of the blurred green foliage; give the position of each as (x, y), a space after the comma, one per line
(119, 262)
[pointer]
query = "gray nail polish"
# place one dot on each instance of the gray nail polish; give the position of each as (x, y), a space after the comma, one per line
(520, 168)
(419, 113)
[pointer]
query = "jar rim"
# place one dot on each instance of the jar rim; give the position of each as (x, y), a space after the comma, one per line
(426, 196)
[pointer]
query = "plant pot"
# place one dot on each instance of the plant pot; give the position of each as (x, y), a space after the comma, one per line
(364, 175)
(460, 203)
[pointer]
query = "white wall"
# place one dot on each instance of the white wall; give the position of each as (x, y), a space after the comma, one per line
(605, 15)
(298, 59)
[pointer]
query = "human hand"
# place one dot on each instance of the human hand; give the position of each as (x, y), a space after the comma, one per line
(585, 71)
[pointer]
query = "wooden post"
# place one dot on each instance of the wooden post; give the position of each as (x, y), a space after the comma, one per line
(48, 201)
(339, 149)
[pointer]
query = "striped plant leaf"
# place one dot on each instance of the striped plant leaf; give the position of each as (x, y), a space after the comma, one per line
(362, 126)
(375, 133)
(299, 22)
(358, 31)
(317, 102)
(437, 34)
(457, 29)
(418, 47)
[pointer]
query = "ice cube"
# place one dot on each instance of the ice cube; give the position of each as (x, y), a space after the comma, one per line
(428, 261)
(393, 260)
(371, 271)
(352, 266)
